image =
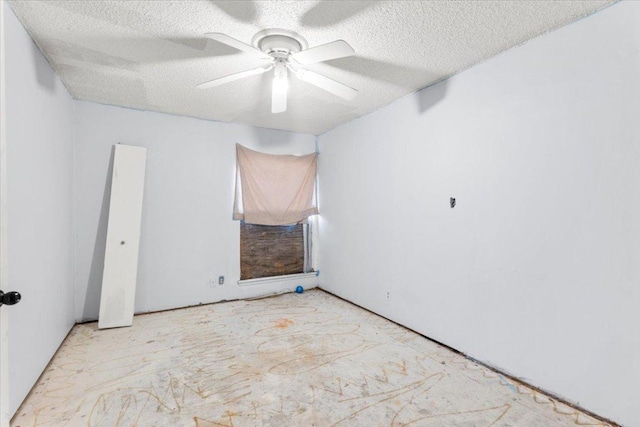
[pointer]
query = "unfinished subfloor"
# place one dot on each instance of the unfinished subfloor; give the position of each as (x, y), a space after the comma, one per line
(292, 360)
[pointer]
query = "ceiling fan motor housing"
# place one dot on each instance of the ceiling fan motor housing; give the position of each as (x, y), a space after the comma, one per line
(279, 43)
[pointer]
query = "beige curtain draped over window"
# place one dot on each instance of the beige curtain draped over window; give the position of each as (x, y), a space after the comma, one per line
(274, 189)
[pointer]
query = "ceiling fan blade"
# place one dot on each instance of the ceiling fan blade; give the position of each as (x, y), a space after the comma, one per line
(325, 83)
(325, 52)
(230, 41)
(232, 77)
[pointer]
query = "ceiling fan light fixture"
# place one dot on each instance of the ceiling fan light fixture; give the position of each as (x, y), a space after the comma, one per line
(280, 88)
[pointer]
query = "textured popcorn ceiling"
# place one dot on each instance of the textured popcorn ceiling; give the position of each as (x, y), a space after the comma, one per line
(150, 54)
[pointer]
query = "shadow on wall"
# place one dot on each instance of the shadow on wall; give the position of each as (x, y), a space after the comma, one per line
(44, 73)
(430, 96)
(91, 306)
(398, 75)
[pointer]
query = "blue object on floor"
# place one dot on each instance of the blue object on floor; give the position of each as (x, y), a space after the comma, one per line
(299, 290)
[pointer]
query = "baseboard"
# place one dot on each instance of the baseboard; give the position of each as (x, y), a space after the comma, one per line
(488, 365)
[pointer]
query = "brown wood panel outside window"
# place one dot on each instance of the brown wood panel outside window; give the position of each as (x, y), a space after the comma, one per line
(268, 250)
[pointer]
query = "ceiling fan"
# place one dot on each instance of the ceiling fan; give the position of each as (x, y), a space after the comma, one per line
(286, 52)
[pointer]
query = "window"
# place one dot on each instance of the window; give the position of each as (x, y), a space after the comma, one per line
(271, 192)
(273, 250)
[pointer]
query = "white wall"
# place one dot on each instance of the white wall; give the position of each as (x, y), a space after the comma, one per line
(536, 270)
(40, 184)
(188, 235)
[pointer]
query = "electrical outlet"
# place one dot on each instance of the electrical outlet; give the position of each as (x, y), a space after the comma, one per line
(220, 280)
(388, 296)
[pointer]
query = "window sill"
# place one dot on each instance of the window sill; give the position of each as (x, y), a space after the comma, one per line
(284, 278)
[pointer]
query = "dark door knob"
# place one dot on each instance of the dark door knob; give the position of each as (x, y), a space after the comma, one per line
(10, 298)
